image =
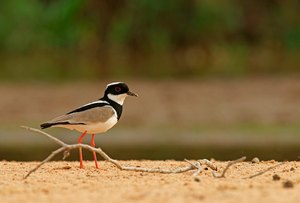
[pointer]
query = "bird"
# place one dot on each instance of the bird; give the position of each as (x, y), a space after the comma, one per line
(94, 117)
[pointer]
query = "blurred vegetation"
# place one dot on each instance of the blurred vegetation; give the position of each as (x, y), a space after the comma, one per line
(55, 39)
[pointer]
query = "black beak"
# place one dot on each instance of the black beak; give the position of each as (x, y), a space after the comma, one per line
(131, 94)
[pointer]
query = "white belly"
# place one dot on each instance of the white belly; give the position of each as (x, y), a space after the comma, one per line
(93, 128)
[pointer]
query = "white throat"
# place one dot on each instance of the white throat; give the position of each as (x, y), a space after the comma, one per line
(118, 98)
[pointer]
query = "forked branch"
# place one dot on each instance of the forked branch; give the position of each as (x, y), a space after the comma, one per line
(66, 148)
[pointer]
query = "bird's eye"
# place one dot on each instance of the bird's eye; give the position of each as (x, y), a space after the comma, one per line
(118, 89)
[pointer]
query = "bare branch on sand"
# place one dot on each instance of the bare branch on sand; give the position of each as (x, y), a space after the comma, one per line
(230, 163)
(66, 148)
(264, 171)
(196, 166)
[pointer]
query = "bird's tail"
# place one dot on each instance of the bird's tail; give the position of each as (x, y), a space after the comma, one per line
(46, 125)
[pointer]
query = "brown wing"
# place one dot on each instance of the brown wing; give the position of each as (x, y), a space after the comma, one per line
(90, 116)
(94, 115)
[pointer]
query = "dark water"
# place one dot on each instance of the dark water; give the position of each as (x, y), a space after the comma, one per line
(161, 152)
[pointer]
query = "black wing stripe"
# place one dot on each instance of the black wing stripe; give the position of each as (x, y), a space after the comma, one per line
(47, 125)
(87, 107)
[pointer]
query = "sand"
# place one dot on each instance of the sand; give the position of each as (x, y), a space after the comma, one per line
(65, 182)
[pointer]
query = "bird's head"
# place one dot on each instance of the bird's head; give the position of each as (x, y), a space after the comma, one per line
(117, 92)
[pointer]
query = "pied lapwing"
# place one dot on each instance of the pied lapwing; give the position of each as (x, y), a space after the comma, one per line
(95, 117)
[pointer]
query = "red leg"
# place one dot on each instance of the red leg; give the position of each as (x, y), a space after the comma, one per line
(94, 153)
(80, 150)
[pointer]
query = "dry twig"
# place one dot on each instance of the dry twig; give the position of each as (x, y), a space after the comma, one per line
(266, 170)
(66, 148)
(196, 165)
(208, 164)
(228, 166)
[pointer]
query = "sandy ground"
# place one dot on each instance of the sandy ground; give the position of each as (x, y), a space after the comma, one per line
(65, 182)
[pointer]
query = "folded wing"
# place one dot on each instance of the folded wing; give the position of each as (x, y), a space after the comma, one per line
(86, 117)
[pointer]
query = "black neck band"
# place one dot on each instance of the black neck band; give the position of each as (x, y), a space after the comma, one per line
(118, 108)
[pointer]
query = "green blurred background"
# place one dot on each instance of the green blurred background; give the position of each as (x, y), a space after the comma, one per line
(216, 78)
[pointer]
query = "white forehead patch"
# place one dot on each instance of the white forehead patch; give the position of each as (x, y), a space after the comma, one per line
(113, 83)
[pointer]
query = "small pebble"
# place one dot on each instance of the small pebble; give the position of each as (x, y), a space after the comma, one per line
(255, 160)
(288, 184)
(66, 167)
(44, 190)
(276, 177)
(292, 169)
(197, 179)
